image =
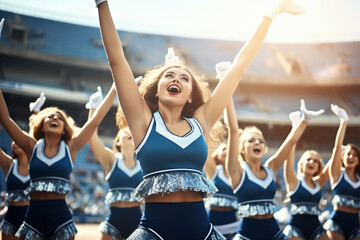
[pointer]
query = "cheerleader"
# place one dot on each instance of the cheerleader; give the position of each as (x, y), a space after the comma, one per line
(345, 184)
(17, 180)
(170, 121)
(253, 182)
(123, 174)
(304, 191)
(52, 150)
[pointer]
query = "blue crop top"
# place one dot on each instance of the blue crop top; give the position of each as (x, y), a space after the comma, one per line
(122, 181)
(255, 196)
(50, 174)
(16, 184)
(170, 162)
(305, 199)
(346, 192)
(225, 197)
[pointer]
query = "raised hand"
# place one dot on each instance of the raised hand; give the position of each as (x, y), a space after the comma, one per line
(295, 118)
(36, 106)
(171, 58)
(339, 112)
(95, 99)
(307, 115)
(221, 69)
(284, 6)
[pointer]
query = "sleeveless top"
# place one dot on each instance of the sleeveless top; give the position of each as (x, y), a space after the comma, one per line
(122, 181)
(255, 196)
(50, 174)
(305, 199)
(170, 162)
(225, 196)
(346, 192)
(16, 184)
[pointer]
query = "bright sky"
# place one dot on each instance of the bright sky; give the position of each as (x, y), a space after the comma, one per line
(324, 21)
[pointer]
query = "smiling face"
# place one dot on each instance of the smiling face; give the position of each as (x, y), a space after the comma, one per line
(252, 144)
(54, 122)
(175, 87)
(351, 157)
(310, 163)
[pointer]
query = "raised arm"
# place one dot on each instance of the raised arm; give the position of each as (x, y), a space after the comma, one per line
(232, 162)
(290, 177)
(136, 111)
(225, 89)
(335, 166)
(5, 162)
(102, 153)
(83, 135)
(289, 164)
(283, 152)
(20, 137)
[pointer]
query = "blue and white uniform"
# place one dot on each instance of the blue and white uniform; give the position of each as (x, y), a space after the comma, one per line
(225, 221)
(172, 163)
(15, 185)
(256, 197)
(346, 194)
(122, 181)
(48, 218)
(304, 222)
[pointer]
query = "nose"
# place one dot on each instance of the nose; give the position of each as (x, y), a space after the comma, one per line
(176, 79)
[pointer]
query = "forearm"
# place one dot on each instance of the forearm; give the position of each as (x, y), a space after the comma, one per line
(4, 116)
(335, 159)
(110, 37)
(251, 47)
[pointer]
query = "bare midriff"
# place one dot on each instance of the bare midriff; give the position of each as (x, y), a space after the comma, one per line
(223, 209)
(179, 196)
(19, 204)
(346, 209)
(46, 196)
(125, 204)
(265, 216)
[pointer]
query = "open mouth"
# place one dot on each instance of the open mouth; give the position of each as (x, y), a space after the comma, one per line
(257, 150)
(54, 124)
(174, 89)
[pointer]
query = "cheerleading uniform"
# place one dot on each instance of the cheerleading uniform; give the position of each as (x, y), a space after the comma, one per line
(225, 221)
(122, 181)
(304, 222)
(172, 163)
(256, 197)
(48, 218)
(15, 185)
(346, 194)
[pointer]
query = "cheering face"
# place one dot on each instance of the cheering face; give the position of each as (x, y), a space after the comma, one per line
(311, 164)
(254, 146)
(351, 159)
(54, 123)
(175, 87)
